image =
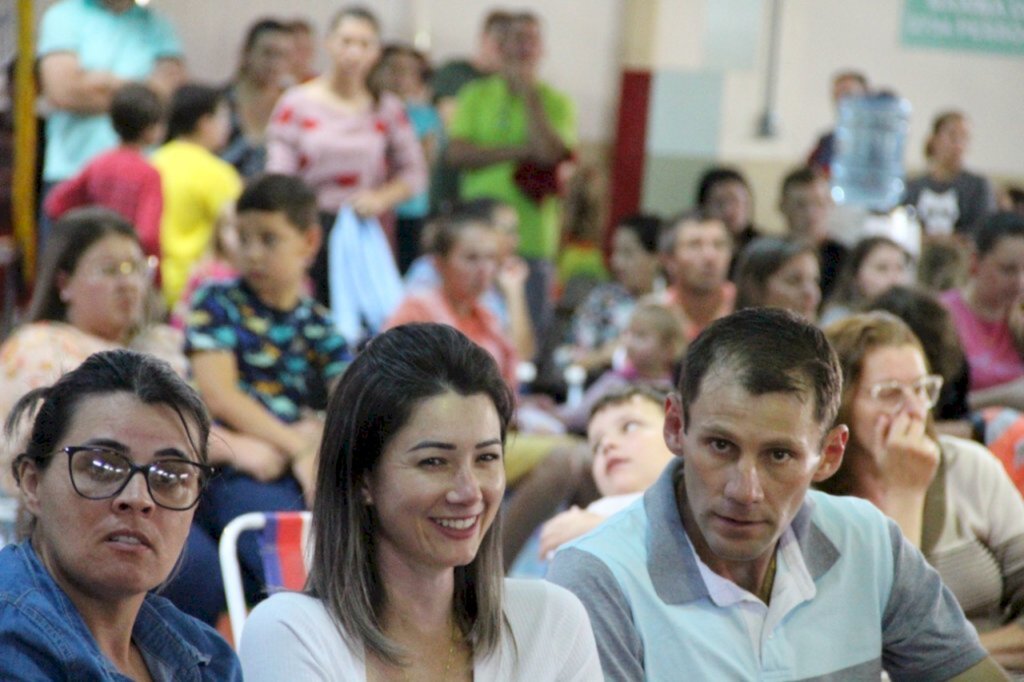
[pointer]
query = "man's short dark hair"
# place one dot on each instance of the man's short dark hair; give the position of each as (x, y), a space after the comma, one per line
(996, 227)
(646, 227)
(497, 20)
(189, 104)
(851, 74)
(265, 25)
(714, 176)
(670, 231)
(801, 177)
(768, 351)
(275, 192)
(135, 109)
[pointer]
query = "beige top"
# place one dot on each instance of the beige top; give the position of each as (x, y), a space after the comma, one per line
(973, 533)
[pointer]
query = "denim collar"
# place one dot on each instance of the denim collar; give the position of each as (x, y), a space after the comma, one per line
(671, 562)
(168, 655)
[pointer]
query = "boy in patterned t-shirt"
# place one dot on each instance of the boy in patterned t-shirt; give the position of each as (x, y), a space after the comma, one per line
(263, 357)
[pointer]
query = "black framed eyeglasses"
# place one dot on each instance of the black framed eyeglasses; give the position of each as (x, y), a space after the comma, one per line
(99, 473)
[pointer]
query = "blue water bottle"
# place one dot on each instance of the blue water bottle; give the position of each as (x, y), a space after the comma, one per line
(867, 168)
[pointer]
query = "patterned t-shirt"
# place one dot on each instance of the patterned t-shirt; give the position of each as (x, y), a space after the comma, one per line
(285, 358)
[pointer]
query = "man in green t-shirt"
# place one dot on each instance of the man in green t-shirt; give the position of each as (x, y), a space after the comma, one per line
(509, 134)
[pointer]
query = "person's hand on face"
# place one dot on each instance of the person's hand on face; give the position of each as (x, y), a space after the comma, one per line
(519, 75)
(566, 526)
(512, 274)
(909, 456)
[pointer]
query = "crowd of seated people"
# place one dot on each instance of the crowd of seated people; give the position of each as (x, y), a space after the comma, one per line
(194, 223)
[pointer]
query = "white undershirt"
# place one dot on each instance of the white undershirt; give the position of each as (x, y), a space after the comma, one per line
(793, 585)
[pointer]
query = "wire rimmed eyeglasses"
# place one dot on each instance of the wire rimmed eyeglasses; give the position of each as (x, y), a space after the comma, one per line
(893, 394)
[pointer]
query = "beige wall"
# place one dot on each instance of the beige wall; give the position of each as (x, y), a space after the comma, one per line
(585, 50)
(583, 38)
(820, 37)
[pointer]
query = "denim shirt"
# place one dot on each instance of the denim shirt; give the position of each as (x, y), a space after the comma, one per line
(43, 637)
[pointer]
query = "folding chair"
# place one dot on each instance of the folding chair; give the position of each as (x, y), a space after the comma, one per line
(283, 539)
(8, 519)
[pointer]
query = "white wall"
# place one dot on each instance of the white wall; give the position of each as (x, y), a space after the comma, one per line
(582, 39)
(583, 36)
(820, 37)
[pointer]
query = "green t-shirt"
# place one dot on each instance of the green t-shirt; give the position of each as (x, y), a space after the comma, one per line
(489, 115)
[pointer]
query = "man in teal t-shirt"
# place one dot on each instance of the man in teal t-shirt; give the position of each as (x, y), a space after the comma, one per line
(87, 50)
(509, 133)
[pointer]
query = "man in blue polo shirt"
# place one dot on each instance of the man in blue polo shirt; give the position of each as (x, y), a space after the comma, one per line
(88, 49)
(729, 568)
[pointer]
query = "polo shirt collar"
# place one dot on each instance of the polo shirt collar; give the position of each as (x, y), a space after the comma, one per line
(671, 562)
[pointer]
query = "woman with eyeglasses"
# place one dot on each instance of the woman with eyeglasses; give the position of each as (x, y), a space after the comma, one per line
(951, 497)
(109, 481)
(90, 296)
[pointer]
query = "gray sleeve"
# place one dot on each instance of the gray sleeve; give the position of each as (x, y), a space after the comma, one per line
(618, 642)
(913, 191)
(925, 635)
(977, 200)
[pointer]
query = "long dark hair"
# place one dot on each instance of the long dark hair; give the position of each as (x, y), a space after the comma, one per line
(146, 377)
(759, 261)
(374, 400)
(846, 291)
(70, 238)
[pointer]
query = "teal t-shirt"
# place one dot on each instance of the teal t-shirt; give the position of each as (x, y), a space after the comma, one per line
(489, 115)
(127, 45)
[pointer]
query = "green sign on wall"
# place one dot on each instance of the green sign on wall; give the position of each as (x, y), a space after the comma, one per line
(984, 25)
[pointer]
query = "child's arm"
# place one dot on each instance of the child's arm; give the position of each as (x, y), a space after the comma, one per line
(148, 212)
(216, 375)
(67, 195)
(566, 526)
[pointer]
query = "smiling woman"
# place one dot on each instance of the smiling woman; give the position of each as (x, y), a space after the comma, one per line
(75, 598)
(406, 569)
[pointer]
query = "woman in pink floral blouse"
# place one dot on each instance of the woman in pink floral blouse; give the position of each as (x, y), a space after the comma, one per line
(353, 146)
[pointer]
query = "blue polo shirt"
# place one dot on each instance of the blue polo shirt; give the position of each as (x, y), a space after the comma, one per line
(860, 598)
(43, 637)
(127, 45)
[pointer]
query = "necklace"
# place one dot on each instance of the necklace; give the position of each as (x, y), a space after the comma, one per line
(765, 593)
(454, 641)
(451, 650)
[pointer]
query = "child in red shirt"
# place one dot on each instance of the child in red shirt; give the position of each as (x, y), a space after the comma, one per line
(122, 179)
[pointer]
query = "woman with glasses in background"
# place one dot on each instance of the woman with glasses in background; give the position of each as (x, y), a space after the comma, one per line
(951, 497)
(90, 296)
(75, 595)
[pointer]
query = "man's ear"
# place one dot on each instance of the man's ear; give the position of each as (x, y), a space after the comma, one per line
(674, 424)
(832, 449)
